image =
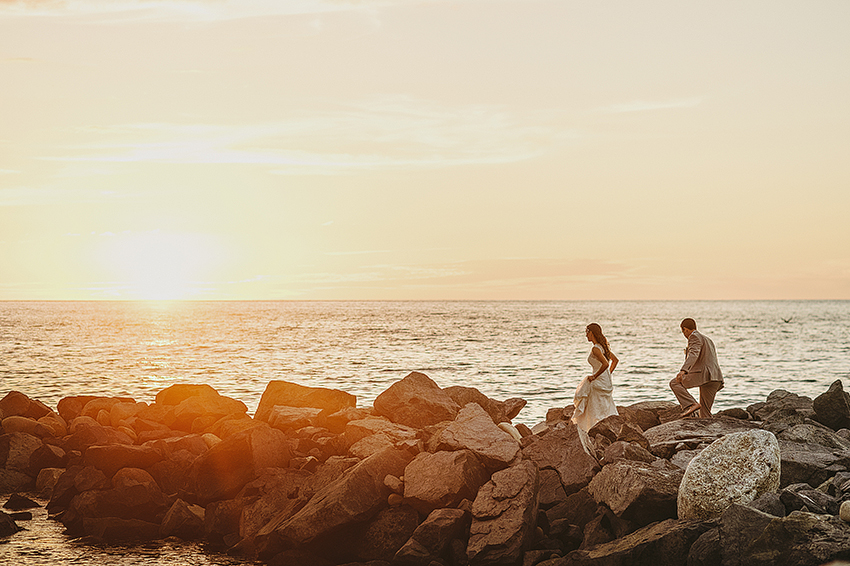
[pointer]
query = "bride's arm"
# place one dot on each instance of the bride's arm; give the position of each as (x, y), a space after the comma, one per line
(597, 353)
(614, 361)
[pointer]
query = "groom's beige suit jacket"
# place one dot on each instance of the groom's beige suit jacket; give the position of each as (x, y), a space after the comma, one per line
(700, 361)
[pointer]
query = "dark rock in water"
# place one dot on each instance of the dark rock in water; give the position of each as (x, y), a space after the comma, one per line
(706, 550)
(561, 450)
(416, 401)
(183, 521)
(442, 479)
(661, 544)
(18, 502)
(832, 408)
(294, 395)
(431, 539)
(112, 529)
(13, 480)
(7, 525)
(355, 497)
(636, 491)
(504, 516)
(21, 516)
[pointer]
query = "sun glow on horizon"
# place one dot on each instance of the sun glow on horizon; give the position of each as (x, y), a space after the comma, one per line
(159, 266)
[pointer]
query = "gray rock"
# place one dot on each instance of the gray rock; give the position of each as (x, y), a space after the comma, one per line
(561, 450)
(769, 503)
(737, 468)
(622, 450)
(832, 408)
(814, 433)
(504, 516)
(473, 430)
(443, 479)
(636, 491)
(782, 409)
(416, 401)
(431, 539)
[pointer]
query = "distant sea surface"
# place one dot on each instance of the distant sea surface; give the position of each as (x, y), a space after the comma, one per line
(534, 350)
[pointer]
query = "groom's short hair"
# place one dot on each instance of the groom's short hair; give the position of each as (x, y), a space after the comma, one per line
(689, 323)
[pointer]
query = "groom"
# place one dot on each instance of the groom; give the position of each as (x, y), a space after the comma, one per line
(699, 370)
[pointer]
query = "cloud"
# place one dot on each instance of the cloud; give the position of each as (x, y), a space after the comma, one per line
(187, 10)
(26, 196)
(381, 133)
(644, 106)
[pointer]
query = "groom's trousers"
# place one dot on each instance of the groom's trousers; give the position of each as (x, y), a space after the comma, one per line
(707, 391)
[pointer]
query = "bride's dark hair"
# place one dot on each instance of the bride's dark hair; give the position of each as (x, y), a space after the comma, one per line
(596, 330)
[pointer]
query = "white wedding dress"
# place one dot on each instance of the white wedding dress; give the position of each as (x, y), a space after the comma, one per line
(593, 399)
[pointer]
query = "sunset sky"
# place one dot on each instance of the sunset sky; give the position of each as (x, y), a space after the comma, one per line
(405, 149)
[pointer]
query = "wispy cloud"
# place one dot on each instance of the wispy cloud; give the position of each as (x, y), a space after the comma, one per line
(387, 132)
(647, 105)
(27, 196)
(187, 10)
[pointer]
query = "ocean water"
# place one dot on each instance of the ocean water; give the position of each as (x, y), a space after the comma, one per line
(534, 350)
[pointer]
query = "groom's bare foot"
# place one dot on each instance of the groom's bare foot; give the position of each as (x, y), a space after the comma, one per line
(690, 410)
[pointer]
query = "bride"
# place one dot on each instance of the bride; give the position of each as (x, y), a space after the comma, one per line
(593, 400)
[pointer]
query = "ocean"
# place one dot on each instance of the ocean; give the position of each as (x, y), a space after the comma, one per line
(535, 350)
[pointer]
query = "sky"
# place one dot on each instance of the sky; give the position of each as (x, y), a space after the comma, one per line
(424, 150)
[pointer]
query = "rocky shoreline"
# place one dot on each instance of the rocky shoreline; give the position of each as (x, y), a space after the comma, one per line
(431, 476)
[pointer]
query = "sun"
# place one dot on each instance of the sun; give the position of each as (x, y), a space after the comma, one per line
(159, 266)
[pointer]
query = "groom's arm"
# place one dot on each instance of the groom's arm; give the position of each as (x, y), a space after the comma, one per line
(694, 347)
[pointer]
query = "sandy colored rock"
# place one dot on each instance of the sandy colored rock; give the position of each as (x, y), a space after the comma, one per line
(737, 468)
(474, 430)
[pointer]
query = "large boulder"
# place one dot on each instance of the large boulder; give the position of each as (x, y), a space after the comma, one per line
(225, 468)
(15, 403)
(637, 491)
(668, 438)
(432, 537)
(277, 490)
(416, 401)
(294, 395)
(16, 449)
(206, 407)
(814, 433)
(737, 468)
(354, 498)
(832, 408)
(474, 430)
(800, 539)
(442, 479)
(661, 544)
(782, 409)
(504, 516)
(386, 533)
(810, 463)
(499, 411)
(184, 521)
(561, 450)
(26, 425)
(357, 430)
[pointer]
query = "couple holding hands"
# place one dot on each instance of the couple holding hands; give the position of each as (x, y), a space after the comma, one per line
(593, 398)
